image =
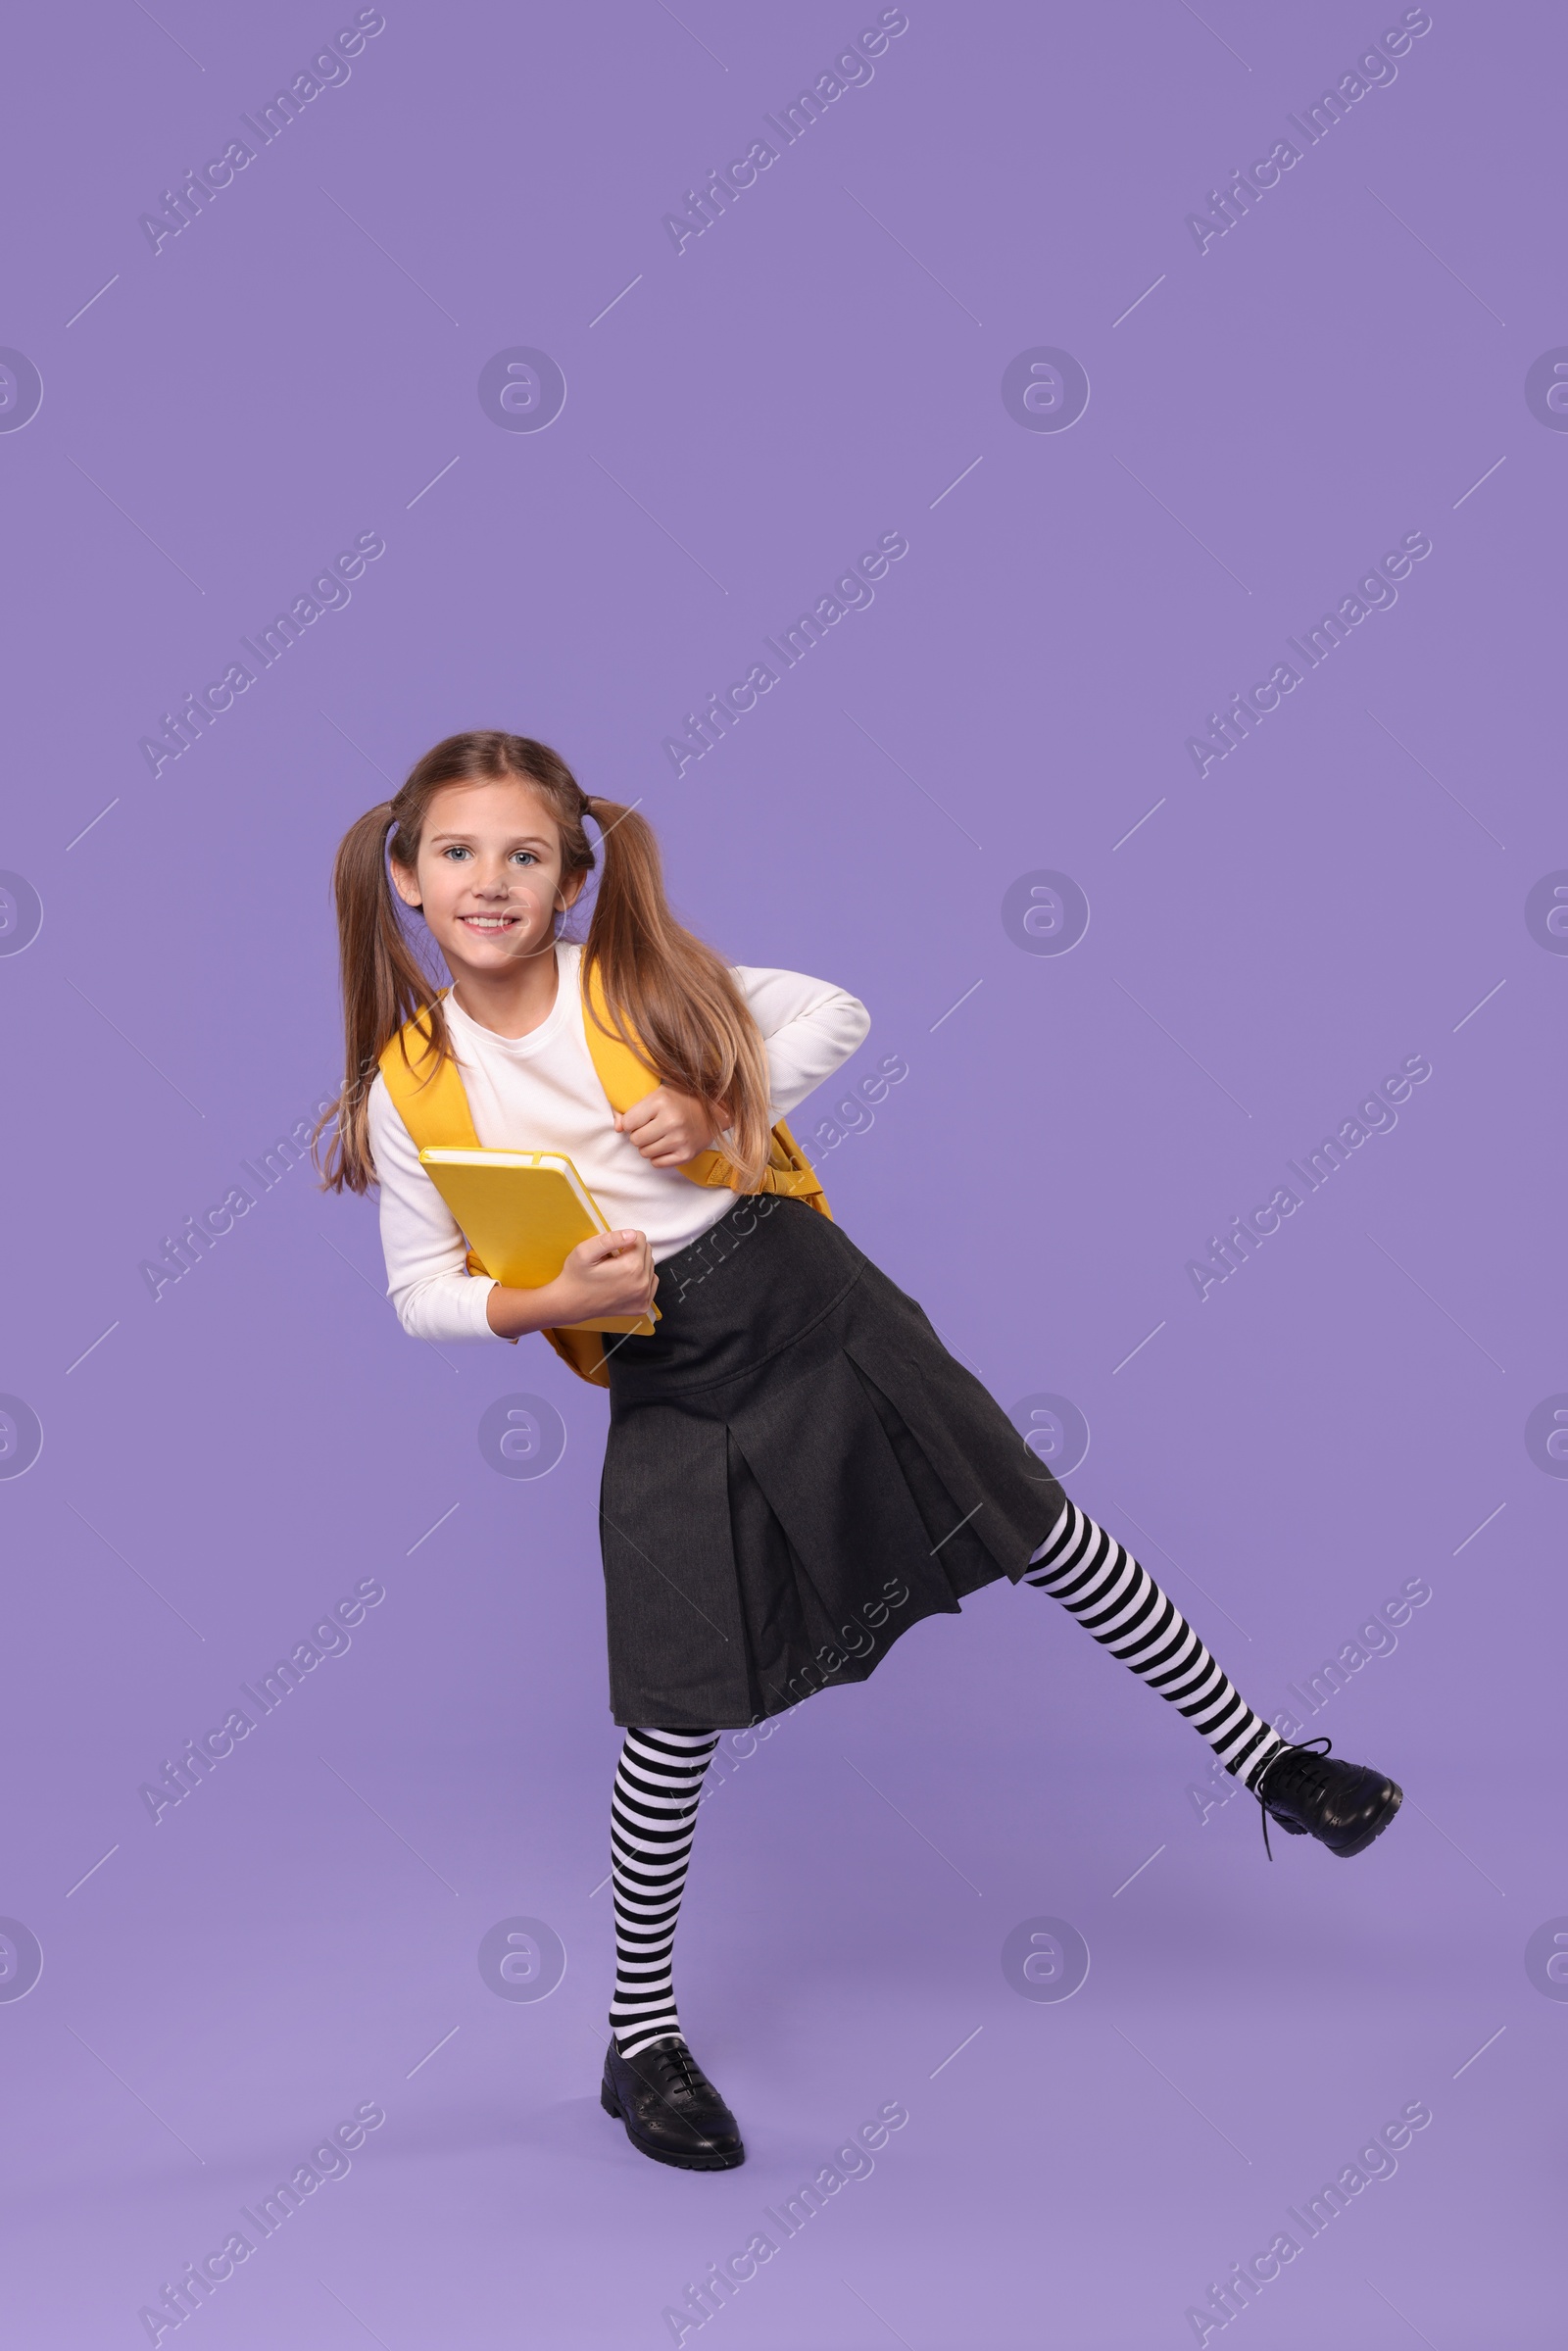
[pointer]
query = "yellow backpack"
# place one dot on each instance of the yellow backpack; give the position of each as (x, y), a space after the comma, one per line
(435, 1108)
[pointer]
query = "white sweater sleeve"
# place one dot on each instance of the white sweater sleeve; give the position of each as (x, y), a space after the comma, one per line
(810, 1027)
(426, 1256)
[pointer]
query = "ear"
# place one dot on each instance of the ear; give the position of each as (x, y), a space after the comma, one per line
(571, 891)
(404, 883)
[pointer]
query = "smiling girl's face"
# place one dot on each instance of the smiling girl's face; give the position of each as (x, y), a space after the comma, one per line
(488, 876)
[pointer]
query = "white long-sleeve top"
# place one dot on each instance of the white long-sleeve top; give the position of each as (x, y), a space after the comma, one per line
(541, 1093)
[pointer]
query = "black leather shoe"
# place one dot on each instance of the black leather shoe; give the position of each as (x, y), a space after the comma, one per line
(671, 2109)
(1344, 1805)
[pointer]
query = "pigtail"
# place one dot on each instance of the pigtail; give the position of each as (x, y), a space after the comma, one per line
(384, 986)
(670, 996)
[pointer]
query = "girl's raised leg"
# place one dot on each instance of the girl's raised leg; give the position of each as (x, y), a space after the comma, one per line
(1097, 1580)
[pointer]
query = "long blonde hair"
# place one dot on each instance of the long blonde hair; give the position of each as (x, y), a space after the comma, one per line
(669, 996)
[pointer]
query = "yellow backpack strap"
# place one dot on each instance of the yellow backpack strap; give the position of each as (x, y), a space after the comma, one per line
(626, 1079)
(430, 1100)
(427, 1093)
(428, 1097)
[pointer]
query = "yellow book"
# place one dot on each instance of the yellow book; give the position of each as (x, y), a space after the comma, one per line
(523, 1213)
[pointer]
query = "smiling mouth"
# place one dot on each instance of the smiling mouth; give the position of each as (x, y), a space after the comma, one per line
(490, 922)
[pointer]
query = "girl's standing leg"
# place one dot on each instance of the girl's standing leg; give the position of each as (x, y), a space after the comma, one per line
(651, 2082)
(653, 1817)
(1099, 1582)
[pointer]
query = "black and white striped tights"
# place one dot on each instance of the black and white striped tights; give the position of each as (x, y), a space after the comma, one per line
(658, 1780)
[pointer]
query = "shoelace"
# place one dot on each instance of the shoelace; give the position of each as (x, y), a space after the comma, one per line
(1305, 1746)
(678, 2069)
(682, 2080)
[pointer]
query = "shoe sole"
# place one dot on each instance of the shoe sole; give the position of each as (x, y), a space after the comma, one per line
(681, 2163)
(1393, 1798)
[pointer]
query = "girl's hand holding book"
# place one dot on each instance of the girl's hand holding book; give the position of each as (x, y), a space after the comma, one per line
(609, 1273)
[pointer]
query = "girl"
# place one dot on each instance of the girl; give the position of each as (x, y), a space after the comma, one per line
(797, 1470)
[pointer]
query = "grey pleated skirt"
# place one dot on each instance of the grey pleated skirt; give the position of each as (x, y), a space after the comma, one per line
(797, 1471)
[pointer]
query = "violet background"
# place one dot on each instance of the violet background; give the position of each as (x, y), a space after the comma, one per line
(1345, 366)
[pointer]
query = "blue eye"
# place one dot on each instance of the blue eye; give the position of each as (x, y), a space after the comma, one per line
(456, 851)
(525, 856)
